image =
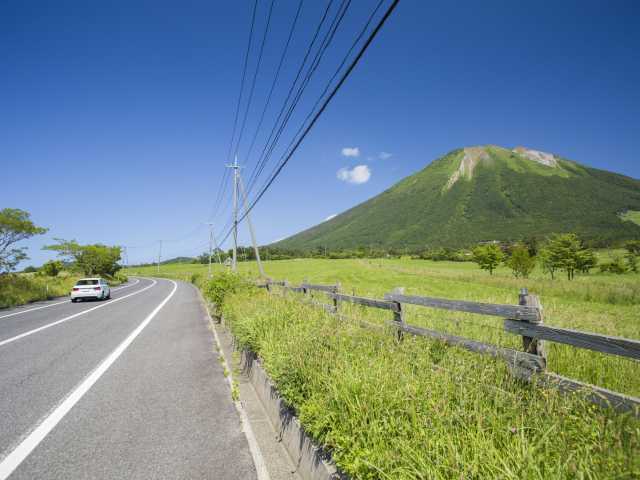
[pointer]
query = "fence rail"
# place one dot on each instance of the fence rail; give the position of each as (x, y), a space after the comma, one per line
(525, 320)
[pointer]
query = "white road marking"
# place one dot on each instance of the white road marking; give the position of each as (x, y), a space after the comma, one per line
(71, 317)
(59, 303)
(22, 451)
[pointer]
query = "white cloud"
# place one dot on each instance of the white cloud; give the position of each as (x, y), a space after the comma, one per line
(351, 151)
(385, 155)
(330, 217)
(358, 174)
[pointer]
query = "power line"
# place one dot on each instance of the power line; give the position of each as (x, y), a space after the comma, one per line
(244, 74)
(342, 10)
(255, 77)
(291, 89)
(275, 78)
(326, 102)
(335, 74)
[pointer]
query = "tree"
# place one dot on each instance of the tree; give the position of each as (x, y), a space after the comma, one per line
(96, 259)
(52, 268)
(633, 246)
(548, 262)
(567, 252)
(15, 225)
(633, 252)
(521, 262)
(488, 257)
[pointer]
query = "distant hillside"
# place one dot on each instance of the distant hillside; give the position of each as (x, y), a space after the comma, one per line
(178, 260)
(486, 193)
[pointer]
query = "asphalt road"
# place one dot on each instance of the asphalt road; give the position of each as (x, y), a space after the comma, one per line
(124, 388)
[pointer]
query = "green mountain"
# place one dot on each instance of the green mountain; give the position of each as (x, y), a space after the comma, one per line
(485, 193)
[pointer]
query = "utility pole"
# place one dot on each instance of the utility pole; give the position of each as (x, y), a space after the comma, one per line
(212, 244)
(159, 255)
(251, 231)
(234, 264)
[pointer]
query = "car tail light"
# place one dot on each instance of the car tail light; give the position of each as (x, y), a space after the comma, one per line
(75, 289)
(97, 289)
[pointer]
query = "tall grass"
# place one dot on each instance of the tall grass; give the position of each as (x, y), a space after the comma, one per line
(602, 303)
(18, 289)
(24, 288)
(418, 409)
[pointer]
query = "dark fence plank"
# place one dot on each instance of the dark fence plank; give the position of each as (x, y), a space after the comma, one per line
(517, 312)
(368, 302)
(321, 288)
(598, 395)
(591, 341)
(525, 363)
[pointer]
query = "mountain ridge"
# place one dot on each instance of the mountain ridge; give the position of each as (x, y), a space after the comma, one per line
(481, 193)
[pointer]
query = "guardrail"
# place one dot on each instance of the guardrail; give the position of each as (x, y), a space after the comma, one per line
(525, 319)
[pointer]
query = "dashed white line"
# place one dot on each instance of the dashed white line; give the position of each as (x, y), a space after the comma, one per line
(59, 303)
(22, 451)
(71, 317)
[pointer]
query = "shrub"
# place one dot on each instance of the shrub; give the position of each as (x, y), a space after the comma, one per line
(488, 257)
(52, 268)
(521, 262)
(616, 265)
(223, 284)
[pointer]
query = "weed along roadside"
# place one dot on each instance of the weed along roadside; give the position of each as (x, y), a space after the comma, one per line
(414, 407)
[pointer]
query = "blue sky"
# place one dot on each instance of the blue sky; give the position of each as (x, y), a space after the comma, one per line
(116, 117)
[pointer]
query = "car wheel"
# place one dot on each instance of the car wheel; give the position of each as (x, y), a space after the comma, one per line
(74, 300)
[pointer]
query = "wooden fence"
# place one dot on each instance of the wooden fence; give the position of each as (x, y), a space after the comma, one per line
(525, 319)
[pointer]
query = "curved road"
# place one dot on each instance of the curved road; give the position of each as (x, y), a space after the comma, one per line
(124, 388)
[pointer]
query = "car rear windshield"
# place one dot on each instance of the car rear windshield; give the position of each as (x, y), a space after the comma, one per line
(87, 282)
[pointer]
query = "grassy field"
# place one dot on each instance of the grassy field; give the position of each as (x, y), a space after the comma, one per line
(417, 409)
(602, 303)
(21, 288)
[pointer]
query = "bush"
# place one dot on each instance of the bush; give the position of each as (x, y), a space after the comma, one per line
(616, 265)
(120, 277)
(521, 262)
(488, 257)
(223, 284)
(30, 269)
(52, 268)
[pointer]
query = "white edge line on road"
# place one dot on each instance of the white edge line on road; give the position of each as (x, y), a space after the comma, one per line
(60, 303)
(258, 460)
(75, 315)
(22, 451)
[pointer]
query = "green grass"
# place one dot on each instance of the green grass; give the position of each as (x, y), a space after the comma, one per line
(631, 216)
(601, 303)
(21, 288)
(417, 409)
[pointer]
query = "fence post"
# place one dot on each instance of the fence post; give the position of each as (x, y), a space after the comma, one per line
(285, 288)
(530, 344)
(398, 314)
(336, 289)
(268, 285)
(304, 288)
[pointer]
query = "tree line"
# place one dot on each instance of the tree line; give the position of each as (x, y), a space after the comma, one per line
(561, 253)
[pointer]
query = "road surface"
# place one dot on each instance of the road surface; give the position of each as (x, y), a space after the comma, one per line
(124, 388)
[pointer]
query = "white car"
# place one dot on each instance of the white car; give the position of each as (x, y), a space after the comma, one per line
(97, 288)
